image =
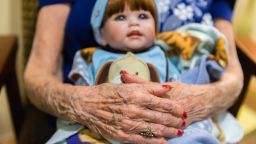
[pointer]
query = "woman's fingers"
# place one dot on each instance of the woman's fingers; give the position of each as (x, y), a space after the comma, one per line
(127, 130)
(145, 99)
(152, 129)
(110, 132)
(154, 88)
(137, 139)
(138, 125)
(164, 105)
(135, 112)
(122, 111)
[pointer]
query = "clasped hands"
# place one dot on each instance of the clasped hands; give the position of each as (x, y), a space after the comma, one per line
(134, 112)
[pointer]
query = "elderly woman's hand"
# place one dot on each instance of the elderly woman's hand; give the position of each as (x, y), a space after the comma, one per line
(192, 98)
(122, 111)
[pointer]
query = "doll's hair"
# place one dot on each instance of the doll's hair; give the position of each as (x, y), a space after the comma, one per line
(117, 6)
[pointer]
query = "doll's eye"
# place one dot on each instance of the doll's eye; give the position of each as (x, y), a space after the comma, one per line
(143, 16)
(120, 17)
(137, 73)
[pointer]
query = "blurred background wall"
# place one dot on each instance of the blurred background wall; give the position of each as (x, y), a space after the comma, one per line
(245, 26)
(245, 18)
(10, 24)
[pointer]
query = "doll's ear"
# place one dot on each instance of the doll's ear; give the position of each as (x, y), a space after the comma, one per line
(103, 41)
(102, 75)
(154, 76)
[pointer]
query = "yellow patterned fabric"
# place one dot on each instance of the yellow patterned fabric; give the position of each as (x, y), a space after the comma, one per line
(220, 54)
(87, 53)
(86, 135)
(184, 45)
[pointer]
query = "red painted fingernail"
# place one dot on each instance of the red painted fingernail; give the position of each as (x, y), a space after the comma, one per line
(183, 123)
(123, 72)
(167, 87)
(184, 115)
(180, 132)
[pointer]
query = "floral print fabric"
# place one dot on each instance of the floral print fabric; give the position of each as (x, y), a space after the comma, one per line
(175, 13)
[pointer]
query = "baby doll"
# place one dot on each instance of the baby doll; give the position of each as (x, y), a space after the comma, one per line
(126, 31)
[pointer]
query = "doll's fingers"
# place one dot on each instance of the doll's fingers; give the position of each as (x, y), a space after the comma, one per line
(157, 89)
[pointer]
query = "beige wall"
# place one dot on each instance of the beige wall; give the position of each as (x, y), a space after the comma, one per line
(245, 18)
(6, 128)
(10, 16)
(10, 23)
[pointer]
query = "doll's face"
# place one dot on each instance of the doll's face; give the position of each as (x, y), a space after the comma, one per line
(129, 30)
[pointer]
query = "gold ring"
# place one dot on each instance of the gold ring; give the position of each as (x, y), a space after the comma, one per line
(147, 133)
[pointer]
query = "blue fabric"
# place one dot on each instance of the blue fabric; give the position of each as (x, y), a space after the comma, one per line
(174, 13)
(74, 139)
(43, 3)
(97, 17)
(79, 34)
(179, 12)
(194, 135)
(205, 71)
(221, 9)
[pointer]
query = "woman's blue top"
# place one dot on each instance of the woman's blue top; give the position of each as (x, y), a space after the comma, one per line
(173, 13)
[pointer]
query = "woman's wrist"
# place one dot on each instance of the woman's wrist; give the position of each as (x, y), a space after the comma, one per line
(50, 95)
(67, 101)
(202, 101)
(223, 93)
(60, 100)
(197, 100)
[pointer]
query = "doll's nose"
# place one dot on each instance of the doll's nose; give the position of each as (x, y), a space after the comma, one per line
(133, 22)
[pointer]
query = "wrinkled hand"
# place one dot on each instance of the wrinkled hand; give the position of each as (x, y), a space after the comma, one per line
(193, 98)
(190, 97)
(122, 111)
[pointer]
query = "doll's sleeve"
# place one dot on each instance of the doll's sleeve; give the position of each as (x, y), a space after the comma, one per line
(81, 72)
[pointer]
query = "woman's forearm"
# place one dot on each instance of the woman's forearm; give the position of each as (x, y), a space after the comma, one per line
(201, 101)
(220, 95)
(229, 86)
(49, 95)
(42, 75)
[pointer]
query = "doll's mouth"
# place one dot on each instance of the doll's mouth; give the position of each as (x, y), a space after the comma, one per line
(134, 34)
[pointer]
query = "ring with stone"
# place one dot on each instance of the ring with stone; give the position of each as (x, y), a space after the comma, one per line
(147, 133)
